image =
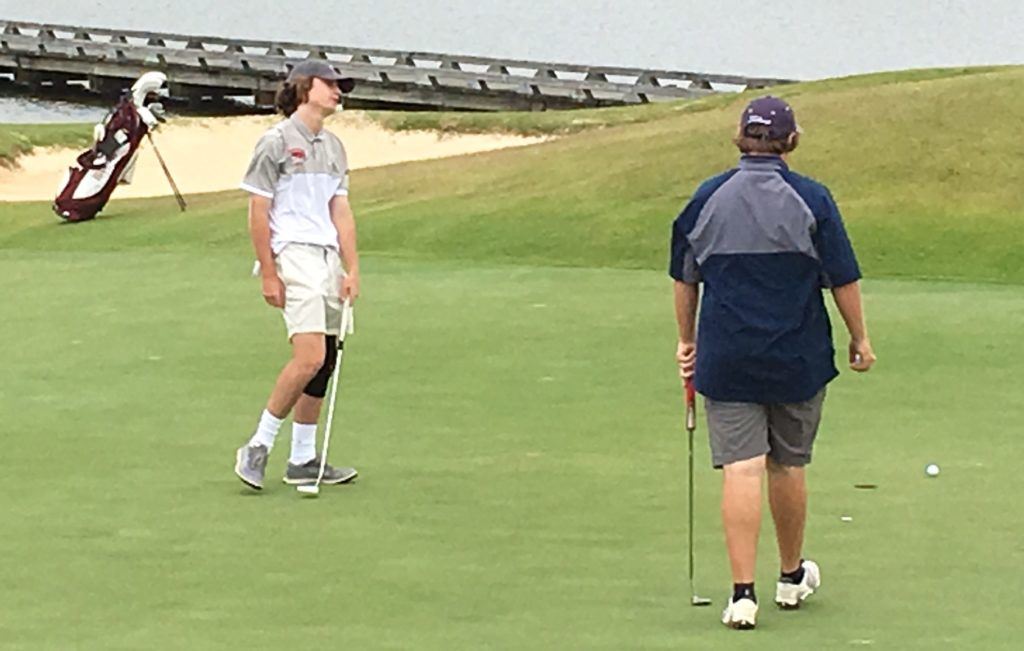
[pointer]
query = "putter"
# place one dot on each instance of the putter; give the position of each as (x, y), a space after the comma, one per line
(347, 328)
(174, 186)
(691, 426)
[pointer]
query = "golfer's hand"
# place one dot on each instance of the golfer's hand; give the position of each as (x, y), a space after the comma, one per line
(862, 358)
(350, 287)
(273, 291)
(686, 357)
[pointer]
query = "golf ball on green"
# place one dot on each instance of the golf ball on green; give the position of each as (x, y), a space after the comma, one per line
(932, 470)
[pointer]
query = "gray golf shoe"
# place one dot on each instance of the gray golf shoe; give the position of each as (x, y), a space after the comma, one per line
(309, 471)
(251, 465)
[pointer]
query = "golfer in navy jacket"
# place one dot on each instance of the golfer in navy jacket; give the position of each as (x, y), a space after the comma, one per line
(764, 241)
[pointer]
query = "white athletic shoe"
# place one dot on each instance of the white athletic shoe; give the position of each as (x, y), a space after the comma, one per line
(740, 614)
(789, 595)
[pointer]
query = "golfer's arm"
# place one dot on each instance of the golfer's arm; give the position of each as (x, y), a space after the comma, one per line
(259, 231)
(345, 224)
(851, 308)
(687, 295)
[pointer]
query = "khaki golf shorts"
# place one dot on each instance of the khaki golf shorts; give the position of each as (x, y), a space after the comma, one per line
(312, 278)
(744, 430)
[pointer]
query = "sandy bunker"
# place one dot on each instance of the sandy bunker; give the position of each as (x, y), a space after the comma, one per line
(211, 154)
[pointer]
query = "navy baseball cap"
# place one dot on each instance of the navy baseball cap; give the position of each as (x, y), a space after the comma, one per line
(323, 70)
(773, 113)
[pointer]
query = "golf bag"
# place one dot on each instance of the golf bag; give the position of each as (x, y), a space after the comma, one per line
(86, 188)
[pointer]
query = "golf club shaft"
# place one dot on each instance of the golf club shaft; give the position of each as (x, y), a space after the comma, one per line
(691, 425)
(689, 509)
(330, 410)
(174, 186)
(346, 323)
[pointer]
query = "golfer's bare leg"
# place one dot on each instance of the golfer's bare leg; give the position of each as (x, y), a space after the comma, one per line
(307, 410)
(307, 358)
(787, 495)
(741, 515)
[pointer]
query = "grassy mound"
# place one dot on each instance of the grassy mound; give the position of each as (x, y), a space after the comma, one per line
(927, 180)
(19, 139)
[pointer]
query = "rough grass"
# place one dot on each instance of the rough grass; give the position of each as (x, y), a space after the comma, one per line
(20, 139)
(566, 122)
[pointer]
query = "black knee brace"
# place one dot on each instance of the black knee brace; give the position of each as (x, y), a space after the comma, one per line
(317, 387)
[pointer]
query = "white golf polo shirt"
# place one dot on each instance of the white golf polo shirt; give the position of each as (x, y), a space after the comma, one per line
(301, 172)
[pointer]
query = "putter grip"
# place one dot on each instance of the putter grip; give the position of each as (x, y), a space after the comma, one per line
(348, 325)
(691, 405)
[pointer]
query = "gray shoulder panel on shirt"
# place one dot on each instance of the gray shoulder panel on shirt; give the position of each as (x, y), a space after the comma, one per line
(272, 141)
(754, 212)
(337, 150)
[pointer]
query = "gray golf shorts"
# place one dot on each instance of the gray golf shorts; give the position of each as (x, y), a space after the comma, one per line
(744, 430)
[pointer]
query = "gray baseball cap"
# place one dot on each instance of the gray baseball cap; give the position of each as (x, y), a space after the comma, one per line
(323, 70)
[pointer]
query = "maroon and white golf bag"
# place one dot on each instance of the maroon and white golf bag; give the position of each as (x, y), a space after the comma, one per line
(86, 188)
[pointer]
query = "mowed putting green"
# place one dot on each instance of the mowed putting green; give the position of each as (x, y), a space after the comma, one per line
(518, 431)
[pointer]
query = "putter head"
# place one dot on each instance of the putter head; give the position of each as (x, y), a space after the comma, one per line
(308, 490)
(699, 601)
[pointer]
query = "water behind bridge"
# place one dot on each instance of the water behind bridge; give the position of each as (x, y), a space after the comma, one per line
(802, 39)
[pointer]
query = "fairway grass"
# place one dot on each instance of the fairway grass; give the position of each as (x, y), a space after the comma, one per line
(518, 433)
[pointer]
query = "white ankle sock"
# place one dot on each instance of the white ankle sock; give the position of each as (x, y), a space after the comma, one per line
(303, 443)
(267, 430)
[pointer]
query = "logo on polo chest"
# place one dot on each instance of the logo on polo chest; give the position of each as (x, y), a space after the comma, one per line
(298, 155)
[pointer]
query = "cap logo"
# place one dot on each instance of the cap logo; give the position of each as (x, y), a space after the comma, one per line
(754, 118)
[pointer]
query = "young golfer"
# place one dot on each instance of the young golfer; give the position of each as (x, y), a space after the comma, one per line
(764, 241)
(304, 233)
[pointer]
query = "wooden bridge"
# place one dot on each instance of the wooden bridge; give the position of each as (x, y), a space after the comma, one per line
(202, 67)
